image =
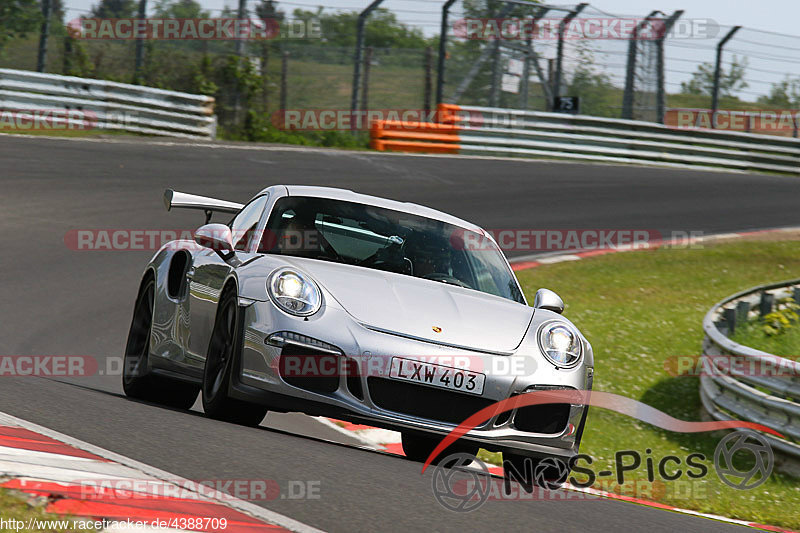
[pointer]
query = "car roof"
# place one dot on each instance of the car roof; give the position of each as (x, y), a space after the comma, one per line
(406, 207)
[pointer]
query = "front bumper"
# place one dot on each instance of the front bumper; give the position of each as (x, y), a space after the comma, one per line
(370, 397)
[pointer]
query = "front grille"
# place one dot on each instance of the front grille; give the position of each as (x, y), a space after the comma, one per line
(424, 402)
(546, 418)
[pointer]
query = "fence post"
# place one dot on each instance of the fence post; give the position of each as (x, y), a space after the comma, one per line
(476, 65)
(66, 68)
(241, 14)
(530, 55)
(661, 97)
(284, 72)
(627, 97)
(45, 32)
(428, 78)
(442, 52)
(362, 21)
(494, 92)
(265, 76)
(717, 68)
(365, 86)
(139, 57)
(560, 48)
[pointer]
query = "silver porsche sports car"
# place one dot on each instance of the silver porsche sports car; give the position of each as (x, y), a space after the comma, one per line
(338, 304)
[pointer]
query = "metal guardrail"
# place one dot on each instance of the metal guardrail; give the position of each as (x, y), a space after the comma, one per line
(109, 105)
(734, 391)
(495, 131)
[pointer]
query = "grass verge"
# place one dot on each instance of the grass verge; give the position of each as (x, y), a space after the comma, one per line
(785, 344)
(29, 515)
(639, 309)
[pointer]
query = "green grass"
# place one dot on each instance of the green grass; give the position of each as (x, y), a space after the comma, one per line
(15, 506)
(638, 309)
(785, 344)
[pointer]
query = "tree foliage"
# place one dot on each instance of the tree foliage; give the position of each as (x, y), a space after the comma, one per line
(115, 9)
(382, 30)
(17, 18)
(180, 9)
(730, 81)
(784, 94)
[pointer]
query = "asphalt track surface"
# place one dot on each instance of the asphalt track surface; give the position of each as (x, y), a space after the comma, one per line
(60, 301)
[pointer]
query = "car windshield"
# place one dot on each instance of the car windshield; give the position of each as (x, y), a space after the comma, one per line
(384, 239)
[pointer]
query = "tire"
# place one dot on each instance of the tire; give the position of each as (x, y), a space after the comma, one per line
(223, 351)
(546, 472)
(137, 379)
(418, 447)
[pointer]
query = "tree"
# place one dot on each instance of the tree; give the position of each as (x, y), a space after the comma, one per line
(180, 9)
(17, 18)
(593, 86)
(383, 30)
(784, 94)
(115, 9)
(702, 81)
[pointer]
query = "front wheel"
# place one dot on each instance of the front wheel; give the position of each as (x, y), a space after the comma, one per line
(137, 379)
(220, 362)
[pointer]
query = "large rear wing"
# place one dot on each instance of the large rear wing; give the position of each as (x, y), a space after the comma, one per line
(204, 203)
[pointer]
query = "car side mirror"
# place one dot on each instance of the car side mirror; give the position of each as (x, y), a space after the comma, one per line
(547, 299)
(217, 237)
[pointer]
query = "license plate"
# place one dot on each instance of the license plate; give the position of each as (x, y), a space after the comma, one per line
(445, 377)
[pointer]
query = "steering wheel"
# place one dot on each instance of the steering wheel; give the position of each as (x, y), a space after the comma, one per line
(446, 278)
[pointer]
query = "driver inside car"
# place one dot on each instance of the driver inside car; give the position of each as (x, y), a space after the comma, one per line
(428, 257)
(300, 236)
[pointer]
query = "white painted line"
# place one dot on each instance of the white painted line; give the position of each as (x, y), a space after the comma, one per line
(352, 434)
(218, 497)
(559, 259)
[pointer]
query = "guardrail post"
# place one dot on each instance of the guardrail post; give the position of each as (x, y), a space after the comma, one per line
(630, 71)
(717, 69)
(661, 97)
(766, 303)
(442, 52)
(560, 47)
(796, 294)
(362, 21)
(729, 316)
(45, 32)
(742, 309)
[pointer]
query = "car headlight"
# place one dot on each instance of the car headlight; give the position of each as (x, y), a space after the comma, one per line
(294, 293)
(560, 344)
